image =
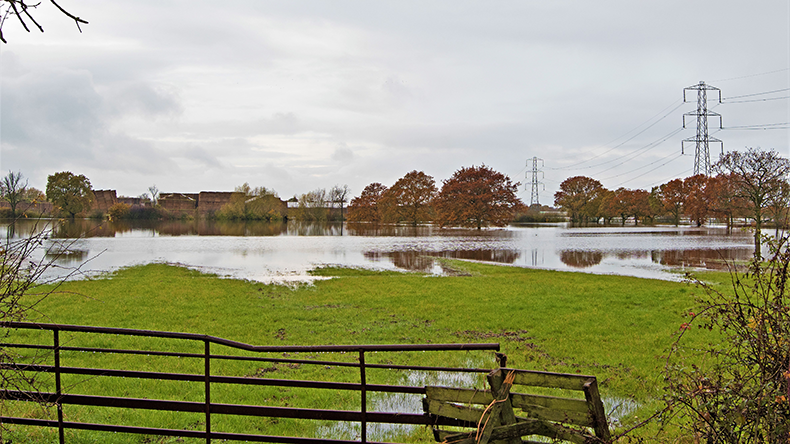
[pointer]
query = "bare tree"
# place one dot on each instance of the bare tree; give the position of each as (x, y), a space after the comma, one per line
(23, 11)
(154, 194)
(13, 190)
(757, 175)
(339, 195)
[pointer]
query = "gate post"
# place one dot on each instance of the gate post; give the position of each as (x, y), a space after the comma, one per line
(58, 393)
(207, 359)
(364, 395)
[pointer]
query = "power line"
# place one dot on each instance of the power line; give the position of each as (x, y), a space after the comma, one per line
(761, 128)
(757, 126)
(650, 171)
(753, 75)
(674, 176)
(757, 94)
(645, 148)
(643, 166)
(756, 100)
(625, 141)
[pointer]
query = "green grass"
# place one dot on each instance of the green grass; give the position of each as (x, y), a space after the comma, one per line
(616, 328)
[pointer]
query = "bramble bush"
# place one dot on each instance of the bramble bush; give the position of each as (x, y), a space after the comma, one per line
(736, 389)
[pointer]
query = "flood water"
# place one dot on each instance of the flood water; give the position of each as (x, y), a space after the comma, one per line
(285, 252)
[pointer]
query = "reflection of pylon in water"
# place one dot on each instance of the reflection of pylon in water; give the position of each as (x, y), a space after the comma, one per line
(534, 199)
(535, 259)
(703, 139)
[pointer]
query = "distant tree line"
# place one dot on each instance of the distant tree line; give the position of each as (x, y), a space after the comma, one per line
(473, 197)
(752, 185)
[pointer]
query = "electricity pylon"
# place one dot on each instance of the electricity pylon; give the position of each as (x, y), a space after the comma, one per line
(703, 139)
(534, 198)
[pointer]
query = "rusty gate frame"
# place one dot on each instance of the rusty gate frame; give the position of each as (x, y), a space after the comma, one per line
(363, 416)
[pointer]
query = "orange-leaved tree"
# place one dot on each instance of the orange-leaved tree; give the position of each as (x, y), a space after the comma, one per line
(699, 200)
(580, 197)
(477, 197)
(673, 196)
(366, 207)
(410, 199)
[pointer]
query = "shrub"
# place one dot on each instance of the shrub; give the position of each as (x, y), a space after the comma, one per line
(118, 211)
(737, 389)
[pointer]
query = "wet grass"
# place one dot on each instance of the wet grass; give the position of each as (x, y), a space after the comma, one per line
(617, 328)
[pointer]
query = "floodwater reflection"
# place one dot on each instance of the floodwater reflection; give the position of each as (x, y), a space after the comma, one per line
(286, 251)
(581, 258)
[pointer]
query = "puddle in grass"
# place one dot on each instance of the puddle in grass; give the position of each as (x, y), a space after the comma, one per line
(400, 403)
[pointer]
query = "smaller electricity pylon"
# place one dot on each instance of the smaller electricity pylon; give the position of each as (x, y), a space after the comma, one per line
(534, 199)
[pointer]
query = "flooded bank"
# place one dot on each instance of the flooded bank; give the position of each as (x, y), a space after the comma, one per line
(286, 252)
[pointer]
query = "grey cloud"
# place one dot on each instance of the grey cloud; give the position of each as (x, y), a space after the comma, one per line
(342, 154)
(53, 113)
(144, 99)
(201, 156)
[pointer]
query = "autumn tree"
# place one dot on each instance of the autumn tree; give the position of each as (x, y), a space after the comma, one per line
(410, 199)
(365, 207)
(626, 203)
(13, 190)
(639, 205)
(699, 199)
(70, 193)
(607, 208)
(756, 176)
(33, 195)
(672, 196)
(615, 204)
(726, 203)
(477, 197)
(580, 197)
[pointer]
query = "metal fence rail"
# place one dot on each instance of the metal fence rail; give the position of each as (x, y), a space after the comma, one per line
(59, 398)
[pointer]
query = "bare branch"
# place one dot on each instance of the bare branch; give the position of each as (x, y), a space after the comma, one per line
(76, 19)
(16, 12)
(21, 9)
(24, 9)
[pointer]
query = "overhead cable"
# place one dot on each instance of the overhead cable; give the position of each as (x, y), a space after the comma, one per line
(650, 171)
(757, 94)
(753, 75)
(625, 141)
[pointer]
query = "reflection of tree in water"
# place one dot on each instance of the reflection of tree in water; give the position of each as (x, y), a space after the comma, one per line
(423, 260)
(411, 260)
(67, 255)
(581, 258)
(712, 259)
(623, 255)
(501, 256)
(369, 229)
(82, 228)
(299, 228)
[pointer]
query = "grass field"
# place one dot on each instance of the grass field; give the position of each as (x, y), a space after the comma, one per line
(616, 328)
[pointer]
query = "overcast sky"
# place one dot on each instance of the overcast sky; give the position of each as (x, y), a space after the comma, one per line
(296, 95)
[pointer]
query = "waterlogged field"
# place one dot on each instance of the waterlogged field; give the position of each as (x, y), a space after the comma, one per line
(616, 328)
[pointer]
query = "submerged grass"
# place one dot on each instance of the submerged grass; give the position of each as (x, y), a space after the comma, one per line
(617, 328)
